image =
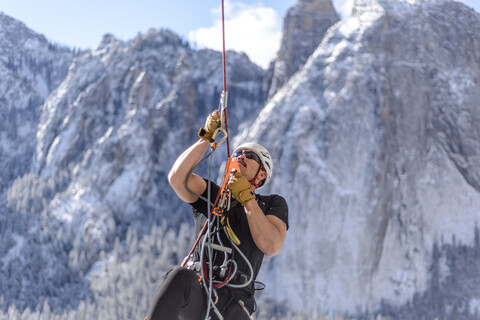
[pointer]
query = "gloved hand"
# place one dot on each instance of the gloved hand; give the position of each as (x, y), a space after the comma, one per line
(211, 124)
(240, 188)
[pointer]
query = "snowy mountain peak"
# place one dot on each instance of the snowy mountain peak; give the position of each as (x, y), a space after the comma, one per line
(374, 8)
(15, 34)
(157, 38)
(108, 40)
(303, 29)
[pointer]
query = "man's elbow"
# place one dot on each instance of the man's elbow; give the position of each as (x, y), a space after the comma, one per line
(272, 251)
(174, 179)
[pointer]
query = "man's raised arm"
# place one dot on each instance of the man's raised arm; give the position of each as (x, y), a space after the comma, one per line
(177, 177)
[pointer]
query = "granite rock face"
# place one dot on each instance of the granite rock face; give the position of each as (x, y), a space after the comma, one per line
(304, 27)
(379, 160)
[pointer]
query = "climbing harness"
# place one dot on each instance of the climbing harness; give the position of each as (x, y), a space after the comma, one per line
(217, 222)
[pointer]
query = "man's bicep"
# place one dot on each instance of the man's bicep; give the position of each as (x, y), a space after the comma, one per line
(279, 208)
(278, 237)
(279, 224)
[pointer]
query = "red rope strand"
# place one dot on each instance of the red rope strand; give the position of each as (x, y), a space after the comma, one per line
(225, 79)
(223, 53)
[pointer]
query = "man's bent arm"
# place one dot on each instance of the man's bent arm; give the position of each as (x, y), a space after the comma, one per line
(177, 176)
(268, 232)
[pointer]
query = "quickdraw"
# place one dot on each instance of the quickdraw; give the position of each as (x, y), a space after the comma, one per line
(225, 195)
(225, 198)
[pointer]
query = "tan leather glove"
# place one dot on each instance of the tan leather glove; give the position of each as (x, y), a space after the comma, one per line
(211, 124)
(241, 188)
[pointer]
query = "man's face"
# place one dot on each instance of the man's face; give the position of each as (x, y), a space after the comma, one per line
(249, 164)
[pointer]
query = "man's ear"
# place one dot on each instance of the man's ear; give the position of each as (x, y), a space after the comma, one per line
(261, 175)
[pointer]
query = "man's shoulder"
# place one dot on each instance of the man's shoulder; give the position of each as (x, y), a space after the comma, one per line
(275, 205)
(272, 199)
(270, 196)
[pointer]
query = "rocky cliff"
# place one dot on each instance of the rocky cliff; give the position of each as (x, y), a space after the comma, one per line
(378, 162)
(30, 68)
(304, 26)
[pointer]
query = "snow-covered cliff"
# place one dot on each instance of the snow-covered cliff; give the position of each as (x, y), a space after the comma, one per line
(30, 68)
(379, 159)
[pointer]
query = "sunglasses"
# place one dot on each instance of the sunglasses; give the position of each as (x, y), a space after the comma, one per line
(248, 154)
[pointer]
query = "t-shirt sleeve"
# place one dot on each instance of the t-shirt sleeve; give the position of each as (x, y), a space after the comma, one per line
(278, 207)
(200, 206)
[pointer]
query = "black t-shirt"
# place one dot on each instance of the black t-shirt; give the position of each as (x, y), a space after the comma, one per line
(271, 205)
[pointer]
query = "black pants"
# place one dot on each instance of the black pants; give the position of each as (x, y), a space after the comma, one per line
(181, 297)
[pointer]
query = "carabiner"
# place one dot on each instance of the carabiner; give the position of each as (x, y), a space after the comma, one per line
(215, 134)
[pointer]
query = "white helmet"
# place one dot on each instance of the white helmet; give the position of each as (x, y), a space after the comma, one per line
(264, 156)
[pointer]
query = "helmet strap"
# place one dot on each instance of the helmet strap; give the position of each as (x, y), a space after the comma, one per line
(252, 182)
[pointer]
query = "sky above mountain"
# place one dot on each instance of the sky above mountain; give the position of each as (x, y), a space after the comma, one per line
(253, 26)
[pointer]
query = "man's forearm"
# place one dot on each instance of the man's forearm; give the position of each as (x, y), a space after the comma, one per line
(177, 176)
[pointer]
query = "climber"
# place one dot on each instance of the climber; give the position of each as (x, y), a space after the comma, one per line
(260, 223)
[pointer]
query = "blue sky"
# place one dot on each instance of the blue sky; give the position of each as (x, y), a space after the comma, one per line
(254, 26)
